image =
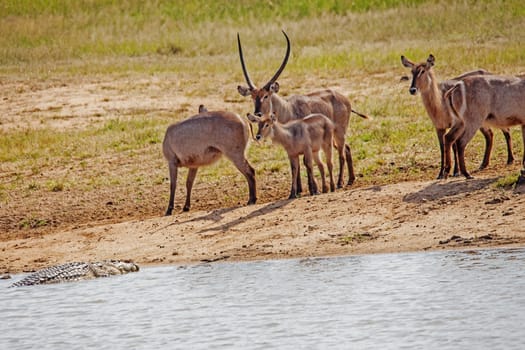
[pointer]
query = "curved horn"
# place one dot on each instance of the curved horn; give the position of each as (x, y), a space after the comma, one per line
(281, 68)
(251, 85)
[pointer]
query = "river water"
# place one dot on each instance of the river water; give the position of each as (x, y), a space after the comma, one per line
(438, 300)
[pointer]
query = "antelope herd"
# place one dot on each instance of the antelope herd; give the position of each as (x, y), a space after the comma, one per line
(306, 124)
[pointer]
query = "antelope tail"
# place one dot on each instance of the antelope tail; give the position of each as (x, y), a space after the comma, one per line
(448, 98)
(360, 114)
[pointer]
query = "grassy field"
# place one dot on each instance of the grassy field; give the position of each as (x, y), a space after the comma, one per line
(354, 46)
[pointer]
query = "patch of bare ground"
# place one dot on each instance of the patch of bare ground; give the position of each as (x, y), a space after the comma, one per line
(411, 216)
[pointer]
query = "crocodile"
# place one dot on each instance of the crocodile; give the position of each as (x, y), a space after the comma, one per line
(77, 271)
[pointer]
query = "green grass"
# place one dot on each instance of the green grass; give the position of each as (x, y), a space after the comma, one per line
(86, 37)
(114, 136)
(32, 222)
(63, 29)
(508, 181)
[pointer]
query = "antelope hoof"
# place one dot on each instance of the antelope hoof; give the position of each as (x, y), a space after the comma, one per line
(186, 208)
(293, 196)
(251, 201)
(168, 212)
(468, 177)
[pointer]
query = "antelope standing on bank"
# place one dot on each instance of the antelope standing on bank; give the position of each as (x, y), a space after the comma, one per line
(203, 139)
(327, 102)
(432, 94)
(305, 136)
(492, 100)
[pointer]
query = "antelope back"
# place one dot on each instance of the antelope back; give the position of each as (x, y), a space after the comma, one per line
(201, 139)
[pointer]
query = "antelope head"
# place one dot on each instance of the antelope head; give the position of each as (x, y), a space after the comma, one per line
(264, 124)
(421, 73)
(262, 96)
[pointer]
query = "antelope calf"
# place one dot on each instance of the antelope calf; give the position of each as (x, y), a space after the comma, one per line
(432, 94)
(203, 139)
(491, 100)
(306, 136)
(327, 102)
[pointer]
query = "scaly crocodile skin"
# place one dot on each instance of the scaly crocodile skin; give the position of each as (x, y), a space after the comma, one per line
(76, 271)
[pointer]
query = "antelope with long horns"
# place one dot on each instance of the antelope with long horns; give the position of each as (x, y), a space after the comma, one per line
(327, 102)
(432, 94)
(203, 139)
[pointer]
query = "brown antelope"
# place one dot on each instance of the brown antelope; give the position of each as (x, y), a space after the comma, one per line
(327, 102)
(305, 136)
(201, 140)
(432, 94)
(492, 100)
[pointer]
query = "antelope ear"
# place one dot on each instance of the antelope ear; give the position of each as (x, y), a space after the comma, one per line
(430, 61)
(252, 118)
(203, 109)
(243, 90)
(406, 62)
(274, 87)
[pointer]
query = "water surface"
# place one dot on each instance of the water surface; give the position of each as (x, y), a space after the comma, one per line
(442, 300)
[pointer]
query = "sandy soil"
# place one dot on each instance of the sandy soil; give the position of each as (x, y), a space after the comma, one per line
(412, 216)
(407, 216)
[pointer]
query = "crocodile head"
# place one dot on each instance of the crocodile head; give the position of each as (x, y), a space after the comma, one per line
(113, 267)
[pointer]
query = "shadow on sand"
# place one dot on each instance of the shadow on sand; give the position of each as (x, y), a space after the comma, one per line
(268, 208)
(443, 189)
(217, 215)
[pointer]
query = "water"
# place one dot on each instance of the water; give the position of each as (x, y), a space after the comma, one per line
(445, 300)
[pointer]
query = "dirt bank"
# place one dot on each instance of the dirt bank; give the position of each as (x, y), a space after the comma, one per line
(411, 216)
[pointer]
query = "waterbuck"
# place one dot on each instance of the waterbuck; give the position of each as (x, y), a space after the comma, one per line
(327, 102)
(305, 136)
(432, 94)
(497, 101)
(203, 139)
